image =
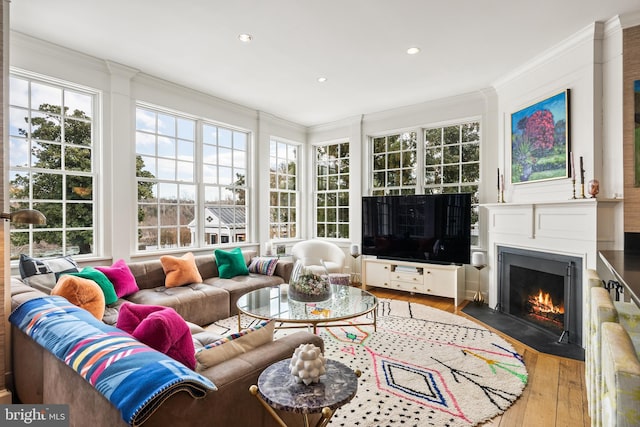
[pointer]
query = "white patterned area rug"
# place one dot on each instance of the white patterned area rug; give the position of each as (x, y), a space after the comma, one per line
(422, 367)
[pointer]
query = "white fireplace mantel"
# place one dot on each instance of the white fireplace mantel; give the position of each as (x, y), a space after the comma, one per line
(579, 227)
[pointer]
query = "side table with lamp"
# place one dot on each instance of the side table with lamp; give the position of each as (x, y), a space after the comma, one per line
(479, 261)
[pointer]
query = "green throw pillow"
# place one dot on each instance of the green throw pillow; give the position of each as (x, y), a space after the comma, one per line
(231, 263)
(101, 279)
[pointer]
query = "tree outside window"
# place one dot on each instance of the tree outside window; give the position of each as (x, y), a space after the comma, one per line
(51, 167)
(452, 164)
(332, 190)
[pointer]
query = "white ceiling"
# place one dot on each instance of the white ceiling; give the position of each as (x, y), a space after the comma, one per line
(358, 45)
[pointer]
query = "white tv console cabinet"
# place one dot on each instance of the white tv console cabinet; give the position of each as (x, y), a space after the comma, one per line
(432, 279)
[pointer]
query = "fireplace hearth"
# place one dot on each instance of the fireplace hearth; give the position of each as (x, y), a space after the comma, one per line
(542, 290)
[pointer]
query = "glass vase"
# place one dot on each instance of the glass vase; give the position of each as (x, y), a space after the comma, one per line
(307, 285)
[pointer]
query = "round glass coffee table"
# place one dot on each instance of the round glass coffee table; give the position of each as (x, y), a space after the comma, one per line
(346, 302)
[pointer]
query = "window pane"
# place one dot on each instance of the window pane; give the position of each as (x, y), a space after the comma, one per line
(79, 188)
(451, 135)
(433, 137)
(450, 174)
(451, 154)
(19, 92)
(471, 172)
(145, 120)
(77, 131)
(47, 186)
(79, 214)
(393, 178)
(145, 144)
(46, 156)
(185, 150)
(471, 132)
(166, 125)
(44, 96)
(78, 104)
(166, 147)
(19, 149)
(393, 160)
(460, 155)
(186, 129)
(225, 137)
(283, 183)
(47, 244)
(77, 159)
(470, 152)
(18, 122)
(433, 175)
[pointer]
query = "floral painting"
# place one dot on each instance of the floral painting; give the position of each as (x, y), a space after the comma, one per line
(540, 140)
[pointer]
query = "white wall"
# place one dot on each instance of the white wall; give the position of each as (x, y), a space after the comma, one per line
(569, 65)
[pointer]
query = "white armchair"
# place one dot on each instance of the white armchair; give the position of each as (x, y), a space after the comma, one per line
(312, 253)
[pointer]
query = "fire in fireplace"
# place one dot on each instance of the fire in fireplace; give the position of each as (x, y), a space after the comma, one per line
(540, 308)
(543, 290)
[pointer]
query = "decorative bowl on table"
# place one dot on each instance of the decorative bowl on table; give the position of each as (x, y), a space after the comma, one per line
(307, 285)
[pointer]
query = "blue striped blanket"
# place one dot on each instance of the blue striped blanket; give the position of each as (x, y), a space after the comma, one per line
(134, 377)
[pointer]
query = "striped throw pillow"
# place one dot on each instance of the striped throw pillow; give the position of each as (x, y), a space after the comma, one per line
(263, 265)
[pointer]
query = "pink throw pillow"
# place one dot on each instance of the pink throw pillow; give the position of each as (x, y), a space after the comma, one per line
(120, 275)
(160, 328)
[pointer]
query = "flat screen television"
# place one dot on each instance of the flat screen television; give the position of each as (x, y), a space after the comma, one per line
(433, 228)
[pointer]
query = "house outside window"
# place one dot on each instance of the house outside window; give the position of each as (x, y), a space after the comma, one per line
(449, 158)
(332, 190)
(52, 137)
(224, 176)
(284, 194)
(168, 184)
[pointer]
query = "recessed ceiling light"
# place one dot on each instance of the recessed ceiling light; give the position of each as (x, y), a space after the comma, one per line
(413, 50)
(322, 79)
(245, 38)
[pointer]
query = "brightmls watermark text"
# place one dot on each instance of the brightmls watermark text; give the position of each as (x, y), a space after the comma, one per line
(34, 415)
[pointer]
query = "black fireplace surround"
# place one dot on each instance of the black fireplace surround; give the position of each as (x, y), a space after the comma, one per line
(556, 282)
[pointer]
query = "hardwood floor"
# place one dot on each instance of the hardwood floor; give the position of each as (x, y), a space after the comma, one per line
(555, 394)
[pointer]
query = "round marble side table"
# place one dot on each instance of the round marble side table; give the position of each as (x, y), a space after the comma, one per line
(278, 389)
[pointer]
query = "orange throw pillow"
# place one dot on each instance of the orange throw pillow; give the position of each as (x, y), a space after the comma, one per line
(84, 293)
(180, 271)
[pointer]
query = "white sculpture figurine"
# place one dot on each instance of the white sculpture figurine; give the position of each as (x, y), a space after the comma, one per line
(307, 364)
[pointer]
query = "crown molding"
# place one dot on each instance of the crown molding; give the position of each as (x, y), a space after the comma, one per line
(587, 34)
(629, 20)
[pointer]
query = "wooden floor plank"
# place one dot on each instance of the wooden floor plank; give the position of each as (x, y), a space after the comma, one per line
(555, 395)
(570, 411)
(514, 416)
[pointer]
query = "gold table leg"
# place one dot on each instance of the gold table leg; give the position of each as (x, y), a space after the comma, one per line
(254, 391)
(327, 413)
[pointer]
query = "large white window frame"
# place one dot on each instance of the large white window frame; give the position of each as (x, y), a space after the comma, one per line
(331, 189)
(183, 201)
(53, 157)
(284, 188)
(452, 163)
(394, 164)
